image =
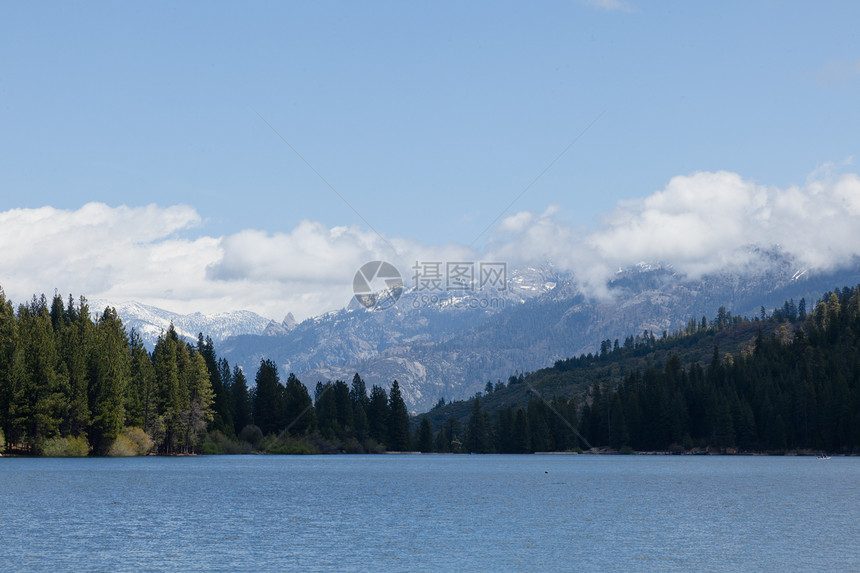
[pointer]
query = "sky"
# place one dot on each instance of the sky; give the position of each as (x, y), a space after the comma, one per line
(214, 157)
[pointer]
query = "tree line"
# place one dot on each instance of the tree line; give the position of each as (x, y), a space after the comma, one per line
(75, 384)
(798, 388)
(71, 384)
(341, 417)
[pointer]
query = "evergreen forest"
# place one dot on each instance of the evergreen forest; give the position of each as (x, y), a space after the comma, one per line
(76, 383)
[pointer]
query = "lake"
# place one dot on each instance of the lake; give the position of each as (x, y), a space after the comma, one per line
(430, 513)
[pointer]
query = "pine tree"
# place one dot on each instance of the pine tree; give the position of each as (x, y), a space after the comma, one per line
(521, 442)
(377, 414)
(326, 410)
(505, 431)
(477, 436)
(200, 398)
(48, 386)
(77, 342)
(343, 407)
(424, 438)
(540, 435)
(241, 403)
(222, 418)
(268, 398)
(299, 411)
(442, 445)
(142, 396)
(618, 436)
(110, 374)
(360, 402)
(164, 427)
(398, 420)
(9, 355)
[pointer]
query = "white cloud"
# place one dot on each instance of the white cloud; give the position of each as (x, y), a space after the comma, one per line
(699, 223)
(99, 250)
(516, 223)
(122, 253)
(310, 252)
(313, 266)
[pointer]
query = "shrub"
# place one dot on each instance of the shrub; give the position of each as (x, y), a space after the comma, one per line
(132, 442)
(217, 443)
(285, 445)
(208, 448)
(687, 442)
(320, 445)
(142, 442)
(122, 447)
(233, 448)
(371, 446)
(251, 434)
(213, 444)
(351, 446)
(69, 447)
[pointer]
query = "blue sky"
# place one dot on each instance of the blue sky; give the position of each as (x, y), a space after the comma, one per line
(429, 119)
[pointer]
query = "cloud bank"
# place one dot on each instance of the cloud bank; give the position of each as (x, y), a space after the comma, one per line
(699, 223)
(123, 253)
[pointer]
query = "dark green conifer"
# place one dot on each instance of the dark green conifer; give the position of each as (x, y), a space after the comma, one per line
(398, 420)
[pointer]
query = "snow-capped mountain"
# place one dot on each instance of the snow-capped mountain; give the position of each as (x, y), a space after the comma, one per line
(150, 321)
(449, 344)
(275, 328)
(452, 345)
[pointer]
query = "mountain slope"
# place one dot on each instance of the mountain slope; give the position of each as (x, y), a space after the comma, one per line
(439, 351)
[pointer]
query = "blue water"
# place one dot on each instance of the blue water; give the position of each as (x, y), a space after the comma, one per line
(430, 513)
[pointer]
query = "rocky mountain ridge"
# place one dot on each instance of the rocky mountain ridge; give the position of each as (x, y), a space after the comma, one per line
(450, 344)
(150, 321)
(441, 351)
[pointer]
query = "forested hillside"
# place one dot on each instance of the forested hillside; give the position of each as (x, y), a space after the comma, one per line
(788, 380)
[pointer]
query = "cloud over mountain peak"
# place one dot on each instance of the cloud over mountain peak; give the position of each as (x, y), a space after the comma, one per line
(699, 223)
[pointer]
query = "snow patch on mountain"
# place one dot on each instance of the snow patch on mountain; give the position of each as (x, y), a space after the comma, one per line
(150, 321)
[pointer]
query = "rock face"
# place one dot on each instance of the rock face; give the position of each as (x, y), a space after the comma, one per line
(276, 329)
(451, 347)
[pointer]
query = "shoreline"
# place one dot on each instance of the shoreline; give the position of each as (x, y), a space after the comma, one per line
(592, 452)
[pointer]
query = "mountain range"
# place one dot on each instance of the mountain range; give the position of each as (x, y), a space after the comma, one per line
(451, 344)
(149, 321)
